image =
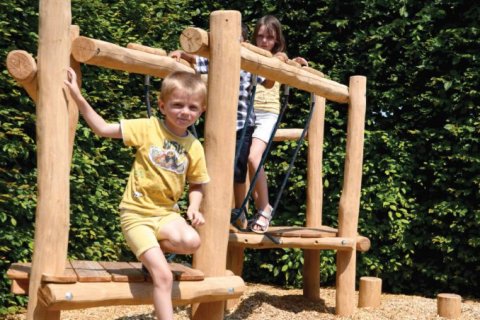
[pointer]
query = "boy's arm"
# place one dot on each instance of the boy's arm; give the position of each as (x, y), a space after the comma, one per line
(195, 196)
(94, 120)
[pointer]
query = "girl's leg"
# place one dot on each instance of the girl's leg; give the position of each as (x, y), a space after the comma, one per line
(261, 186)
(154, 260)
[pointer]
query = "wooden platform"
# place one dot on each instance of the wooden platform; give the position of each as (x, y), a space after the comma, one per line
(322, 238)
(86, 284)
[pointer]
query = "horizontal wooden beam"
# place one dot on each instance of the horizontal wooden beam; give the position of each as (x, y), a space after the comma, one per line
(195, 41)
(23, 68)
(108, 55)
(261, 241)
(82, 295)
(287, 134)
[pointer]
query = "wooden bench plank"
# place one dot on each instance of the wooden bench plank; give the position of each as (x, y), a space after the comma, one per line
(123, 271)
(90, 271)
(180, 272)
(68, 276)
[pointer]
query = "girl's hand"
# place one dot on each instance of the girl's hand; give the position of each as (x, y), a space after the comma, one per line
(71, 82)
(281, 56)
(177, 55)
(301, 61)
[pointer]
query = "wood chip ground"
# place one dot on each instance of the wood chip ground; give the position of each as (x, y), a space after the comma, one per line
(262, 302)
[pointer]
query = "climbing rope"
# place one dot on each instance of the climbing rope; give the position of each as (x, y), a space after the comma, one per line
(292, 160)
(146, 89)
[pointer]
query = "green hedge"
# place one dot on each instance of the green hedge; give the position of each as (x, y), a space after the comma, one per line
(421, 178)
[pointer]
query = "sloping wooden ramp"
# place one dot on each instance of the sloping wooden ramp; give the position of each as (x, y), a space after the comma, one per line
(86, 284)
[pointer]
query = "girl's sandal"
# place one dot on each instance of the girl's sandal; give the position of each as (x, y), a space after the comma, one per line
(263, 224)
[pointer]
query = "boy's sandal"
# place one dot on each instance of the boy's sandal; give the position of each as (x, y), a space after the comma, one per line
(258, 222)
(239, 219)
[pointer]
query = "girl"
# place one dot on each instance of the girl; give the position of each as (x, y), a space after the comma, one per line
(267, 35)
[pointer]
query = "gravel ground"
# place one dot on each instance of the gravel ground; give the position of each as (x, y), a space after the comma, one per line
(261, 302)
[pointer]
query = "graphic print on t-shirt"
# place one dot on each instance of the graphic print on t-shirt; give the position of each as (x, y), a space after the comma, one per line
(171, 157)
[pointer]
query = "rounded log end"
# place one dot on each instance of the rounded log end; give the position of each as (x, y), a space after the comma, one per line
(83, 49)
(193, 40)
(21, 65)
(363, 244)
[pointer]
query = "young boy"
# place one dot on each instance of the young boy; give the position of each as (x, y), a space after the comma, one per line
(167, 155)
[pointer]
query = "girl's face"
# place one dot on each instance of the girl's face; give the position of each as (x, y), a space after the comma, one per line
(266, 38)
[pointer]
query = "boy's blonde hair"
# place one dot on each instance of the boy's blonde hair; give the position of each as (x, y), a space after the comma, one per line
(190, 82)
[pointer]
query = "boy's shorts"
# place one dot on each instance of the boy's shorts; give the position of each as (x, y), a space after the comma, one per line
(142, 232)
(264, 124)
(240, 175)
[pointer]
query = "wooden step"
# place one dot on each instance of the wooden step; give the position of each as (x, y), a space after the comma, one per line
(321, 238)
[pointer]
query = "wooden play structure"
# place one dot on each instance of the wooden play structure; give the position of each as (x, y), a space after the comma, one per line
(54, 284)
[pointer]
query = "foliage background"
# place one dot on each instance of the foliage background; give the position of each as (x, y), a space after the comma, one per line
(420, 196)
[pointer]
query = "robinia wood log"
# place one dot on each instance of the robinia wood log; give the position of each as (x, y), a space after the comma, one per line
(53, 155)
(449, 305)
(108, 55)
(195, 41)
(370, 291)
(22, 67)
(220, 124)
(82, 295)
(349, 205)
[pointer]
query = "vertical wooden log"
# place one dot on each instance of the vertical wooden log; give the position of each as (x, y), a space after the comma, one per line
(370, 292)
(449, 305)
(311, 267)
(235, 256)
(350, 200)
(223, 88)
(52, 212)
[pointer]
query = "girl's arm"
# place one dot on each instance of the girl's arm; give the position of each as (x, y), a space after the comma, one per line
(93, 119)
(195, 196)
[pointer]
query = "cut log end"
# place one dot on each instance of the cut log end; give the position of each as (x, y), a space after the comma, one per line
(449, 305)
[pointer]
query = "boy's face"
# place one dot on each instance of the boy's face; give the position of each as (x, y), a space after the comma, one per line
(181, 110)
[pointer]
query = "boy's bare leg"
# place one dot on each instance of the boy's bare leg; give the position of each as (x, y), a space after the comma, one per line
(179, 237)
(154, 260)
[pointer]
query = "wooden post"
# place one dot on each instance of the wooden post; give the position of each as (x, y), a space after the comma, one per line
(369, 292)
(350, 200)
(311, 267)
(449, 305)
(52, 213)
(220, 124)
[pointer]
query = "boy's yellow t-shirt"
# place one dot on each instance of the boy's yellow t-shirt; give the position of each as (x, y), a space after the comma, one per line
(163, 163)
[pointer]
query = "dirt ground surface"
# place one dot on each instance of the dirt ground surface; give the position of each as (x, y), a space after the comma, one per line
(261, 302)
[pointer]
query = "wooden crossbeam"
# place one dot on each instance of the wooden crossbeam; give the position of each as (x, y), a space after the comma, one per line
(82, 295)
(322, 238)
